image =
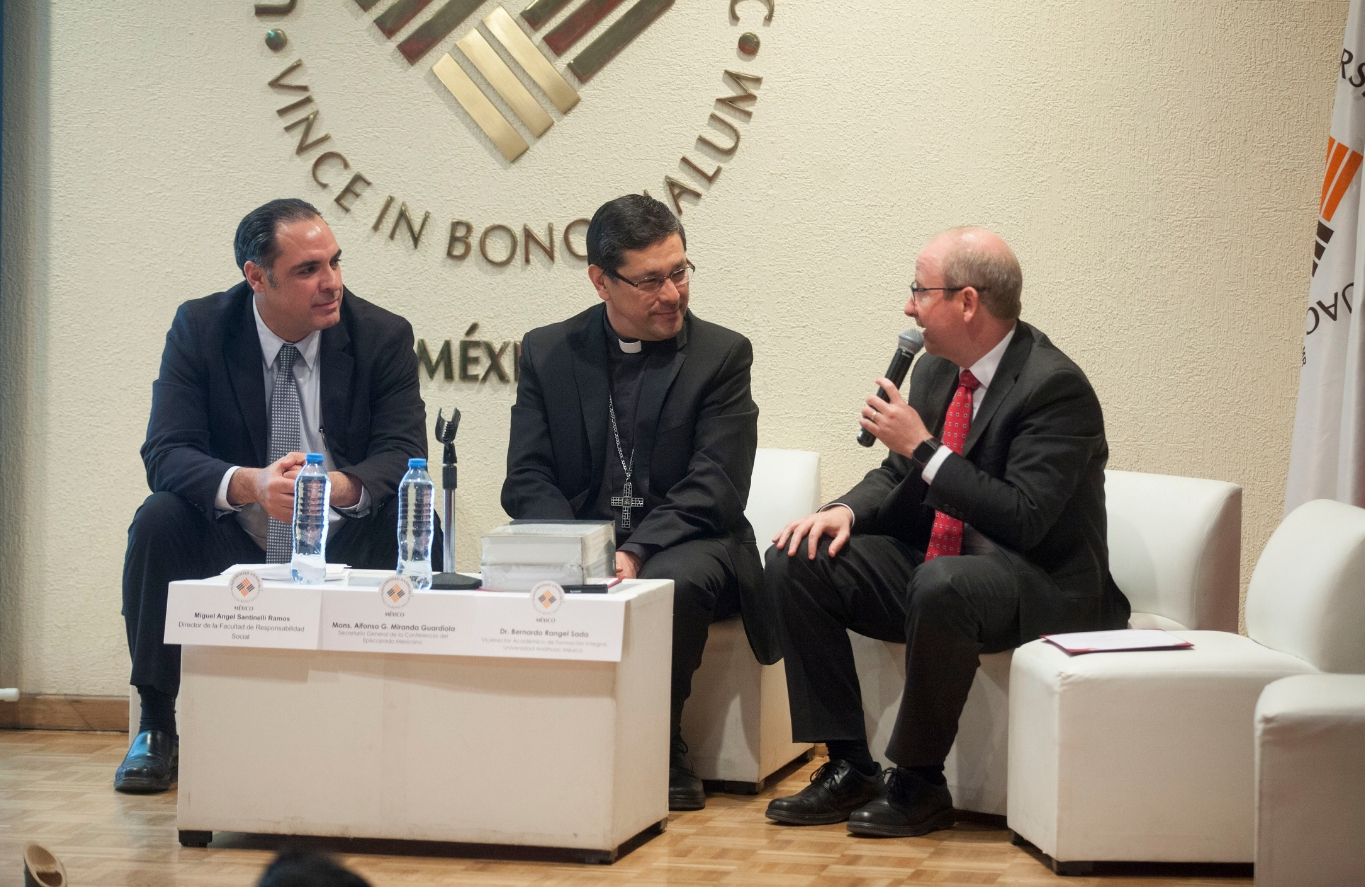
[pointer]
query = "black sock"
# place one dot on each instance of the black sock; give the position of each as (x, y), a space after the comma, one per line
(158, 710)
(855, 751)
(931, 775)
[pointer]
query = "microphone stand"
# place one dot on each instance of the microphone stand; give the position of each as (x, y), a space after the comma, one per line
(445, 434)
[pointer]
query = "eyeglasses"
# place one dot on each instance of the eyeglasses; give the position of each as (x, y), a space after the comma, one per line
(651, 285)
(917, 292)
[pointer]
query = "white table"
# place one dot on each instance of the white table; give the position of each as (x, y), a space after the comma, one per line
(494, 750)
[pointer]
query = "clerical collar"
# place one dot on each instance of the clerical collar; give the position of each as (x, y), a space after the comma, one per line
(628, 346)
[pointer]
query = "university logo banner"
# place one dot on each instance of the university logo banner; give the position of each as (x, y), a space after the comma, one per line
(1328, 456)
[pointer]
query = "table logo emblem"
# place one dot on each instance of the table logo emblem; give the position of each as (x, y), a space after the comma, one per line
(396, 591)
(245, 585)
(547, 597)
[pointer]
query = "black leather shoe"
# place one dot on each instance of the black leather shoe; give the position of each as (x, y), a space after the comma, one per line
(685, 791)
(835, 791)
(909, 806)
(151, 765)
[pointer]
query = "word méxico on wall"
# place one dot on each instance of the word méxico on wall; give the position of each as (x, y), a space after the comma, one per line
(478, 360)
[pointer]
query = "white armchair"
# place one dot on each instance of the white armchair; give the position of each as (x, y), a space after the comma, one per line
(1149, 755)
(1174, 550)
(1310, 782)
(737, 721)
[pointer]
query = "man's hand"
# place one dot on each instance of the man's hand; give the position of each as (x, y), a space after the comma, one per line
(627, 565)
(345, 489)
(836, 522)
(893, 422)
(271, 487)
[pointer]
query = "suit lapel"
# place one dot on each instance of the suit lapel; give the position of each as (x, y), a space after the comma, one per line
(1005, 375)
(653, 389)
(590, 376)
(336, 363)
(941, 389)
(245, 362)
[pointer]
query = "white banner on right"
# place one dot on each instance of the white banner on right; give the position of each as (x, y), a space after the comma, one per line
(1328, 456)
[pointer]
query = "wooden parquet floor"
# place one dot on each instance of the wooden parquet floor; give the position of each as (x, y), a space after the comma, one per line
(56, 789)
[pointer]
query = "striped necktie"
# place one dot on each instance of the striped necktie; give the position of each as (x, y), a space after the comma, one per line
(286, 436)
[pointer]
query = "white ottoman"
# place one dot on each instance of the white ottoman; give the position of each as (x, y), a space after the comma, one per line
(1139, 755)
(1310, 782)
(1150, 756)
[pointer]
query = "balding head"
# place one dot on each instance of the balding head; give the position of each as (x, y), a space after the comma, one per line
(979, 258)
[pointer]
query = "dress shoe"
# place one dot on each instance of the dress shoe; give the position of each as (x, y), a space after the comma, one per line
(42, 869)
(151, 765)
(835, 791)
(909, 806)
(685, 791)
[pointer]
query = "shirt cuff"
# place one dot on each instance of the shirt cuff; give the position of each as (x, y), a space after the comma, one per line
(220, 502)
(643, 552)
(852, 518)
(360, 509)
(931, 467)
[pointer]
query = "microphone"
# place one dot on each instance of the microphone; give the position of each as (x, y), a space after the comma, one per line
(908, 345)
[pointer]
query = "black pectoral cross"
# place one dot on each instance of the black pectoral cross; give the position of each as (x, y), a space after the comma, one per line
(626, 502)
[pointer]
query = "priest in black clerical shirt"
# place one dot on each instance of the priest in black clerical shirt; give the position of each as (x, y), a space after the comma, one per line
(639, 412)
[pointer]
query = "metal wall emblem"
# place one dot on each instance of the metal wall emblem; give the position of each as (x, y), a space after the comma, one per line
(487, 48)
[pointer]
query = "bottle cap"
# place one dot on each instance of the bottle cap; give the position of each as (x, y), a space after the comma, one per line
(417, 463)
(314, 459)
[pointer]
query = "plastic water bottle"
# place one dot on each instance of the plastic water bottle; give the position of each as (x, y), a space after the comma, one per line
(312, 499)
(416, 521)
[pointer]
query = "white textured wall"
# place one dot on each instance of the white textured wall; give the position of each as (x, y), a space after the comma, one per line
(1154, 164)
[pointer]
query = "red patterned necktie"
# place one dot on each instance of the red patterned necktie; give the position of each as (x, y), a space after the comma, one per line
(946, 535)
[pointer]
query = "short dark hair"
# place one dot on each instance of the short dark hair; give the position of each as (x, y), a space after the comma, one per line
(256, 240)
(632, 222)
(298, 869)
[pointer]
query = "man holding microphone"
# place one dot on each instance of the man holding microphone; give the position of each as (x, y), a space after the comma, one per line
(982, 529)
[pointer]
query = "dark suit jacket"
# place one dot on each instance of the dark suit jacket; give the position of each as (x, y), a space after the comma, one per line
(1030, 479)
(209, 409)
(696, 429)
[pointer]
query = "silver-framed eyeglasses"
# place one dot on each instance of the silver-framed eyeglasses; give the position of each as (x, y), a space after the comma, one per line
(651, 285)
(917, 292)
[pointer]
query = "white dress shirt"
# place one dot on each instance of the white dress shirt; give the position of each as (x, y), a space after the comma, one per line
(308, 379)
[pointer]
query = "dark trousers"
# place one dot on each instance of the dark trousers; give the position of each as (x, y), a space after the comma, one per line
(170, 539)
(946, 611)
(705, 589)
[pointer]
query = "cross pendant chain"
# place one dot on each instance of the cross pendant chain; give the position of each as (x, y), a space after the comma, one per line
(626, 501)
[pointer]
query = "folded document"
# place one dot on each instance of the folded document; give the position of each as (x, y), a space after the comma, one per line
(1077, 642)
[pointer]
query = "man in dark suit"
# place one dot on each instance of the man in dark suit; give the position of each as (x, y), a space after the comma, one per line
(638, 412)
(984, 528)
(283, 363)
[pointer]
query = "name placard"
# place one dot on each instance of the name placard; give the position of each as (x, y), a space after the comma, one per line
(474, 623)
(275, 614)
(545, 623)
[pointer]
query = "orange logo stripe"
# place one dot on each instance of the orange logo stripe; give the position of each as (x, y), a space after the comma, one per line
(1345, 176)
(1335, 153)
